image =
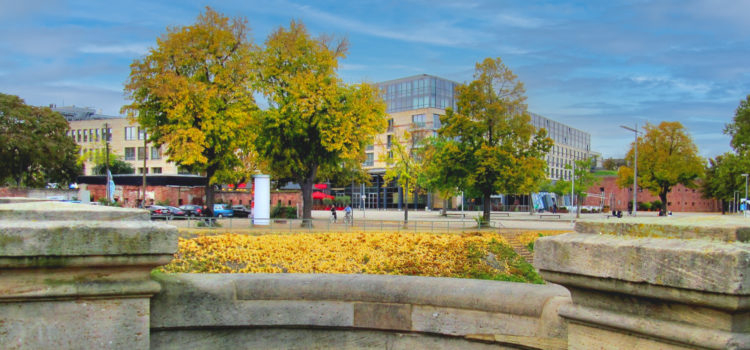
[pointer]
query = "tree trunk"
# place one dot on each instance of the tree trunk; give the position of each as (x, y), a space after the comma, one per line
(209, 194)
(663, 198)
(406, 206)
(486, 206)
(578, 207)
(307, 202)
(723, 207)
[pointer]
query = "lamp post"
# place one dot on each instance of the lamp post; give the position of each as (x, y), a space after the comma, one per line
(744, 212)
(635, 167)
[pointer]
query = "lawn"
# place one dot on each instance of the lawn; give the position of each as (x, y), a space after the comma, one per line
(469, 255)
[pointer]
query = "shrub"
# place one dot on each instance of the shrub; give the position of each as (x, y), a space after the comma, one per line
(162, 203)
(656, 205)
(644, 206)
(481, 222)
(283, 212)
(342, 200)
(328, 202)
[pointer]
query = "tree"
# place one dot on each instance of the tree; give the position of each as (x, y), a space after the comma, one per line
(314, 122)
(404, 166)
(739, 129)
(116, 166)
(34, 147)
(193, 92)
(584, 178)
(667, 156)
(490, 144)
(724, 177)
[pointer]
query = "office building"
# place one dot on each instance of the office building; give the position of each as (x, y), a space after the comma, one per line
(89, 128)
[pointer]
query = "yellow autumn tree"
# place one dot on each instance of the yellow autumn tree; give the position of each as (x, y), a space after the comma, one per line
(404, 166)
(667, 156)
(314, 122)
(193, 92)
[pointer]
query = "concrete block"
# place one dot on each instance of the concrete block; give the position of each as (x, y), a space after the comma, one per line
(383, 316)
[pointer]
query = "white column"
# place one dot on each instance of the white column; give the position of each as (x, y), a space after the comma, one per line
(262, 199)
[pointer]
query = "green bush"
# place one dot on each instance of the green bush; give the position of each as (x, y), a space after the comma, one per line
(328, 202)
(656, 205)
(283, 212)
(644, 206)
(342, 200)
(162, 203)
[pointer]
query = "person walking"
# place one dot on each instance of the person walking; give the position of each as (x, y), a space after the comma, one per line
(333, 213)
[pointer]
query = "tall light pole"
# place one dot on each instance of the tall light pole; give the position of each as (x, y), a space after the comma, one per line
(635, 168)
(744, 212)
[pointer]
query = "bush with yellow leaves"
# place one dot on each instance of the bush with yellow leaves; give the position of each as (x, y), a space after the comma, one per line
(471, 255)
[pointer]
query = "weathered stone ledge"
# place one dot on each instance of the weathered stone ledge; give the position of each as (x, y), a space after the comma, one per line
(56, 211)
(722, 228)
(500, 312)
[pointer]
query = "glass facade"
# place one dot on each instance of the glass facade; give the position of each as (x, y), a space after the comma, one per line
(421, 91)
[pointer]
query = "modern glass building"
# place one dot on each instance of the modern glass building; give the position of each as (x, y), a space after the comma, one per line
(416, 92)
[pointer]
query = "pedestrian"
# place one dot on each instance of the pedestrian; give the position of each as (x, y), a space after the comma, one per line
(554, 208)
(333, 213)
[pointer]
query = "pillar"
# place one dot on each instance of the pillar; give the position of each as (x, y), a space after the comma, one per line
(78, 276)
(262, 200)
(653, 283)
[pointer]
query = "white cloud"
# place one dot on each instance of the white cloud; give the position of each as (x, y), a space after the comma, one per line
(138, 48)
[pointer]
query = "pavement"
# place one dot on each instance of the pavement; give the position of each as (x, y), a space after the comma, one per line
(419, 221)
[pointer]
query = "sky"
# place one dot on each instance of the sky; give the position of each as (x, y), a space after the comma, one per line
(594, 65)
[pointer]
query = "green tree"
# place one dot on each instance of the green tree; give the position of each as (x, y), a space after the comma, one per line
(193, 92)
(116, 166)
(490, 144)
(739, 129)
(314, 123)
(724, 176)
(34, 147)
(584, 178)
(404, 166)
(667, 156)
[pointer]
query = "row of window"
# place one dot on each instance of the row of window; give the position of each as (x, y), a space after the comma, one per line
(130, 153)
(90, 135)
(155, 170)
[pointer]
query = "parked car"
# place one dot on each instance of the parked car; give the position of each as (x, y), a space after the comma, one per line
(222, 210)
(176, 212)
(192, 209)
(241, 211)
(158, 212)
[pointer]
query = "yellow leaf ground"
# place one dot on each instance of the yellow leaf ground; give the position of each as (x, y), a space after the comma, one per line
(470, 255)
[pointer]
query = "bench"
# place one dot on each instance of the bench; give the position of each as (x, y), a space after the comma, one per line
(500, 214)
(541, 216)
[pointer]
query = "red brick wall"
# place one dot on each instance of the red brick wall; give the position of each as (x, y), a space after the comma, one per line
(681, 198)
(128, 195)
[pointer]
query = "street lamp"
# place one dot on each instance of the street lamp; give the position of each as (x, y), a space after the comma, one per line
(744, 212)
(635, 168)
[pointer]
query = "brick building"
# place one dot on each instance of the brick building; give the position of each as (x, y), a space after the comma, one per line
(176, 190)
(680, 199)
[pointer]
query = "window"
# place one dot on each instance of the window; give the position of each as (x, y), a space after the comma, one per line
(129, 153)
(141, 153)
(97, 135)
(436, 121)
(130, 133)
(156, 170)
(85, 136)
(389, 141)
(390, 125)
(418, 120)
(141, 134)
(370, 161)
(155, 152)
(140, 170)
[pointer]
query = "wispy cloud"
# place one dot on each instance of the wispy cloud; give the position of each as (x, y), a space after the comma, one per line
(137, 48)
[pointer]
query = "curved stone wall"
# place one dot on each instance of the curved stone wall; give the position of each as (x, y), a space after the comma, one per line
(353, 311)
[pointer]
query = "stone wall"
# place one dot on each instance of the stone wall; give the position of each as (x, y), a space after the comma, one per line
(80, 276)
(653, 283)
(76, 276)
(195, 311)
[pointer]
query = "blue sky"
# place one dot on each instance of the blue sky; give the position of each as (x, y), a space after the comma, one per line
(593, 65)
